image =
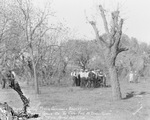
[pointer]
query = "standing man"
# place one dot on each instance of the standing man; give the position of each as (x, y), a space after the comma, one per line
(131, 76)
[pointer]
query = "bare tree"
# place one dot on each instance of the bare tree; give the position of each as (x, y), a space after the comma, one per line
(4, 33)
(80, 52)
(111, 46)
(34, 31)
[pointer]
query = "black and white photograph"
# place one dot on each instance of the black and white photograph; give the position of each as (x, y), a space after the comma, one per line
(74, 60)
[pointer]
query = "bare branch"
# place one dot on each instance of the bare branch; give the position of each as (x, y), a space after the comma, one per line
(21, 7)
(98, 37)
(37, 25)
(104, 19)
(43, 17)
(95, 29)
(119, 50)
(43, 33)
(115, 26)
(120, 25)
(118, 34)
(116, 29)
(3, 31)
(115, 16)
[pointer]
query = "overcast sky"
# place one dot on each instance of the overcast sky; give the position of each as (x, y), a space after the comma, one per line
(135, 12)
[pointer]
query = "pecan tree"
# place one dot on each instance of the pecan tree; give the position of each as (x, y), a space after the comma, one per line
(111, 46)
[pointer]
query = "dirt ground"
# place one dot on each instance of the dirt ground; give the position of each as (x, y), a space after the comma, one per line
(75, 103)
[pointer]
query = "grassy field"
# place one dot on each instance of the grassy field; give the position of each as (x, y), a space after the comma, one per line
(75, 103)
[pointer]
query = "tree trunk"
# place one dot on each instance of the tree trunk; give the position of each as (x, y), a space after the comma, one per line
(112, 45)
(115, 83)
(36, 84)
(110, 55)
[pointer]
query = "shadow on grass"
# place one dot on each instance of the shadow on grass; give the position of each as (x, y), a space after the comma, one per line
(129, 95)
(107, 86)
(143, 93)
(132, 94)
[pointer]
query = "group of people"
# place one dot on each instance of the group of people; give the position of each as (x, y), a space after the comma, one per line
(89, 78)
